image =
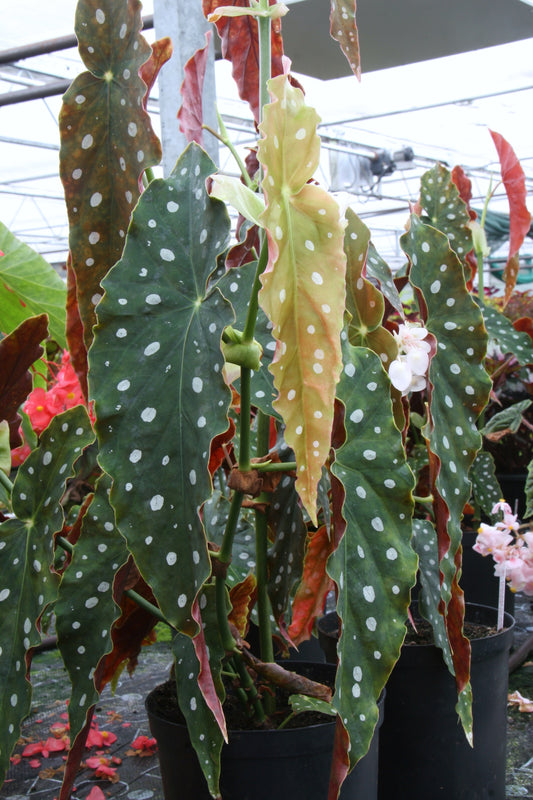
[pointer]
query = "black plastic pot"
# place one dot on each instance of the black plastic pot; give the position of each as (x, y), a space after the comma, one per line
(478, 581)
(423, 752)
(262, 764)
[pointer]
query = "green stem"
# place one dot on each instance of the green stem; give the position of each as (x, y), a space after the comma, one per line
(135, 596)
(253, 307)
(6, 483)
(249, 687)
(261, 552)
(226, 141)
(276, 466)
(244, 420)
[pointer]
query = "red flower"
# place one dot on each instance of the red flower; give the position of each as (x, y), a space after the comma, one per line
(63, 392)
(98, 738)
(102, 768)
(143, 746)
(96, 794)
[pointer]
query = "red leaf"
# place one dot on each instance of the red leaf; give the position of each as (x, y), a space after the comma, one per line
(219, 449)
(524, 324)
(340, 762)
(18, 352)
(205, 678)
(514, 181)
(74, 757)
(240, 45)
(315, 584)
(161, 53)
(344, 30)
(191, 115)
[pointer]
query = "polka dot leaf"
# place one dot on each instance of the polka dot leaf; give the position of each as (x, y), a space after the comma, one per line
(502, 330)
(304, 284)
(85, 609)
(459, 384)
(343, 28)
(156, 376)
(364, 301)
(485, 487)
(374, 566)
(106, 142)
(445, 210)
(27, 552)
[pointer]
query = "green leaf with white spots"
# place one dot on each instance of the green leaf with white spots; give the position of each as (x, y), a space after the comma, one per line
(445, 210)
(29, 286)
(107, 142)
(374, 566)
(215, 517)
(501, 329)
(485, 486)
(286, 554)
(459, 384)
(85, 609)
(378, 269)
(153, 390)
(426, 546)
(303, 290)
(300, 703)
(27, 546)
(204, 731)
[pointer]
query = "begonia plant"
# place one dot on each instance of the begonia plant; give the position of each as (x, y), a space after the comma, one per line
(249, 449)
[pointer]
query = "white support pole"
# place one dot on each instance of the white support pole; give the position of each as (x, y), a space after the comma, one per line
(186, 25)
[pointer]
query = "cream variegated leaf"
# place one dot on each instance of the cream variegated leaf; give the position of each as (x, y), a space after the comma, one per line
(304, 284)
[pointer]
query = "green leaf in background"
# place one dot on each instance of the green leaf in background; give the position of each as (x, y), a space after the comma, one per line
(300, 703)
(29, 286)
(107, 142)
(85, 609)
(152, 390)
(501, 329)
(26, 550)
(485, 486)
(374, 566)
(508, 420)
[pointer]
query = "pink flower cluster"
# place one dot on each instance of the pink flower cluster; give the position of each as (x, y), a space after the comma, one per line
(511, 549)
(63, 392)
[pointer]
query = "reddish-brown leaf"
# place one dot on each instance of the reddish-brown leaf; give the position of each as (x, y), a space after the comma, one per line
(524, 324)
(190, 115)
(315, 584)
(514, 181)
(18, 351)
(221, 448)
(343, 28)
(340, 763)
(240, 45)
(243, 597)
(161, 53)
(74, 331)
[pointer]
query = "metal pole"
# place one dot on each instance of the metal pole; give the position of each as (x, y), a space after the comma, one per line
(184, 22)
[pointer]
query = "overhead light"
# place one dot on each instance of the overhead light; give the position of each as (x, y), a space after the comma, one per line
(527, 2)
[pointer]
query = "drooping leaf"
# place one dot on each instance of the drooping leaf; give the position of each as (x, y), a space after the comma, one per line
(85, 611)
(310, 597)
(206, 736)
(459, 390)
(106, 142)
(29, 286)
(190, 114)
(514, 181)
(151, 388)
(242, 597)
(485, 486)
(303, 286)
(240, 46)
(285, 556)
(374, 566)
(27, 551)
(506, 421)
(231, 190)
(343, 28)
(18, 351)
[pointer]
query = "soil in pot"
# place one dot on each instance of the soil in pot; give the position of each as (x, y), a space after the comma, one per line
(257, 764)
(423, 750)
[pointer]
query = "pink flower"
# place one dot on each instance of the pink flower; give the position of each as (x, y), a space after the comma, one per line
(63, 392)
(491, 540)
